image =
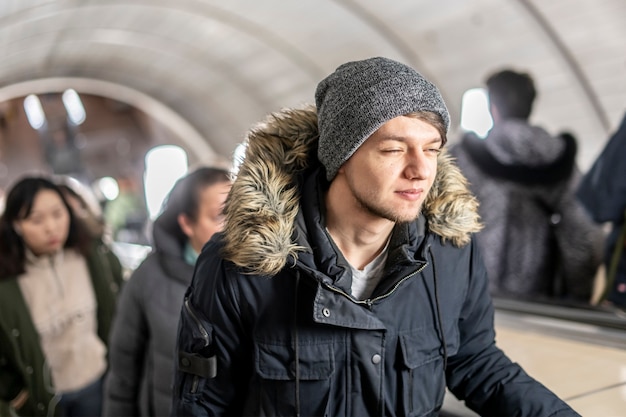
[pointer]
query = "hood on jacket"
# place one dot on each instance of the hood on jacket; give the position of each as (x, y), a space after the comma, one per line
(516, 151)
(168, 244)
(264, 199)
(515, 142)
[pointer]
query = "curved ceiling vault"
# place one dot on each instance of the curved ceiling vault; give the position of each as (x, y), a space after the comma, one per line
(222, 66)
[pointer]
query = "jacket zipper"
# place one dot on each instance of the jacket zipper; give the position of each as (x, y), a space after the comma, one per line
(395, 287)
(371, 301)
(205, 335)
(194, 384)
(57, 279)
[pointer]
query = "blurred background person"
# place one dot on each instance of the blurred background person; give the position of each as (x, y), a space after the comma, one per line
(603, 193)
(84, 204)
(144, 332)
(57, 299)
(538, 242)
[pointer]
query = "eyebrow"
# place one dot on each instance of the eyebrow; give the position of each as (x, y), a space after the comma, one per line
(403, 139)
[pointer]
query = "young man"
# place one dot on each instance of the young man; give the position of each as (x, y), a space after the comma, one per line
(347, 281)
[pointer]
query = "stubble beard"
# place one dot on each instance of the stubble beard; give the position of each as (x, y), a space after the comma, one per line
(386, 213)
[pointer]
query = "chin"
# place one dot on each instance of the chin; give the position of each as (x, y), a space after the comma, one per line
(403, 217)
(54, 249)
(407, 216)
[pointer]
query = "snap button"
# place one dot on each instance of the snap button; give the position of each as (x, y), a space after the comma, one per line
(185, 362)
(555, 219)
(41, 407)
(15, 332)
(376, 359)
(29, 369)
(326, 312)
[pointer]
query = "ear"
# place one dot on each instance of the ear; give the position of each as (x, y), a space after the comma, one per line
(17, 228)
(185, 224)
(495, 115)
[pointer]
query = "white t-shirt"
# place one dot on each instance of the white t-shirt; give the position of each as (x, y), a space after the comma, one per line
(365, 281)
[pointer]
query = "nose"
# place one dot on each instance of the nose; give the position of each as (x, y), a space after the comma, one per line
(51, 226)
(419, 166)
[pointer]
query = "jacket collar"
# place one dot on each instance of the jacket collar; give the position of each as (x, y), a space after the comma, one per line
(43, 261)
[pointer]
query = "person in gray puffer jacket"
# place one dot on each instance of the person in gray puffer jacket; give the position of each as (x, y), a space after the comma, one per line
(538, 242)
(143, 335)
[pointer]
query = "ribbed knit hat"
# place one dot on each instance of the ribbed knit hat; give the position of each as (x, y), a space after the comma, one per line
(361, 96)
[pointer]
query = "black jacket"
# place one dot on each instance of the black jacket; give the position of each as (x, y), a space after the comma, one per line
(603, 193)
(270, 327)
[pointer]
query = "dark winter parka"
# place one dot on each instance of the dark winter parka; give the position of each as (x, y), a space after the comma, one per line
(143, 336)
(22, 361)
(270, 327)
(603, 193)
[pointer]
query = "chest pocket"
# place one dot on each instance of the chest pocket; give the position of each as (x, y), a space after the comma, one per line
(423, 377)
(276, 368)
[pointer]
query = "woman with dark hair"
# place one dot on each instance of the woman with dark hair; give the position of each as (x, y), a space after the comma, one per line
(144, 331)
(57, 297)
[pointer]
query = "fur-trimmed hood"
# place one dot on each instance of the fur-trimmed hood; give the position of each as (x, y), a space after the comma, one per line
(264, 200)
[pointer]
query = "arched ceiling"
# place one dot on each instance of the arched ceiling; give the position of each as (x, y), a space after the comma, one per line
(218, 67)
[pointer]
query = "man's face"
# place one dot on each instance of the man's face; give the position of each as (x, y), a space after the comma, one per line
(389, 176)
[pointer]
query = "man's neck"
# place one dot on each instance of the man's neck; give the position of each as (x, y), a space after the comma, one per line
(359, 235)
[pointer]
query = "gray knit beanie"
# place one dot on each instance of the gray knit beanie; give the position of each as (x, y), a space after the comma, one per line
(361, 96)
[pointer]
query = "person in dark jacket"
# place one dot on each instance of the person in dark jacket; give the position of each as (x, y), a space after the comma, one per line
(538, 242)
(58, 288)
(603, 193)
(346, 281)
(144, 332)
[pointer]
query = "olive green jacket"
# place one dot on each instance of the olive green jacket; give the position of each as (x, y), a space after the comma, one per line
(22, 361)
